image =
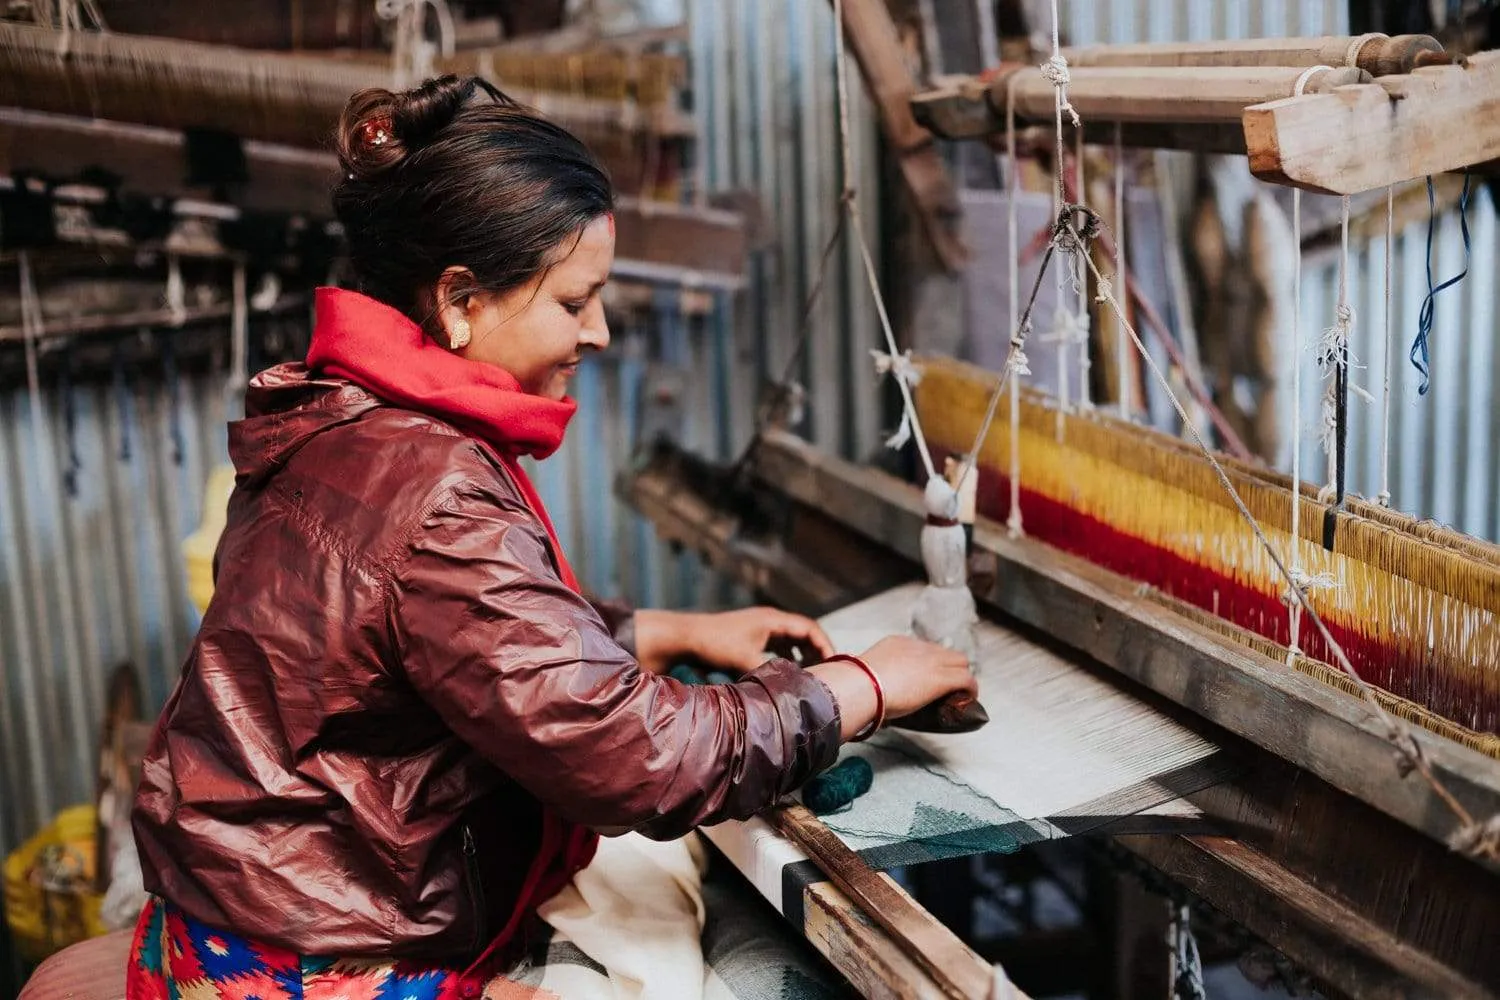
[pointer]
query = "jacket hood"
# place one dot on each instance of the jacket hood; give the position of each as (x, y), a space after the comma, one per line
(285, 408)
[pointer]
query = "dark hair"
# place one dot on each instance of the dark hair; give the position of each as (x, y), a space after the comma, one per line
(435, 177)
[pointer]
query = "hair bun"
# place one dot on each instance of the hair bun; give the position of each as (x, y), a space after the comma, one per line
(420, 113)
(379, 129)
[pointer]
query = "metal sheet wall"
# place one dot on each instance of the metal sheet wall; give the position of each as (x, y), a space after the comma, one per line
(94, 577)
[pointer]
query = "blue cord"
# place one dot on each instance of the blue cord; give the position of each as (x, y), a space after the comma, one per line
(1419, 355)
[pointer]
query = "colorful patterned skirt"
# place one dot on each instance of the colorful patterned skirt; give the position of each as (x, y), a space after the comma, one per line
(174, 957)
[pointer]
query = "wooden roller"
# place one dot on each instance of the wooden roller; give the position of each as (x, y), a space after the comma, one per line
(1376, 54)
(1199, 95)
(276, 97)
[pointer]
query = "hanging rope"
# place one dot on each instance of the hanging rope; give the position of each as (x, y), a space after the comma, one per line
(1081, 325)
(1122, 351)
(1334, 357)
(1016, 362)
(33, 328)
(1068, 234)
(911, 424)
(238, 377)
(1185, 963)
(1384, 497)
(412, 55)
(1419, 355)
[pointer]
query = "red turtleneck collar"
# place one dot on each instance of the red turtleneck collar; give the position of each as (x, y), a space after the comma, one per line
(380, 349)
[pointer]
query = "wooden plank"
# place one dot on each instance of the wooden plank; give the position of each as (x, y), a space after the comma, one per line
(1395, 129)
(1216, 95)
(873, 42)
(1331, 941)
(951, 115)
(862, 953)
(1376, 54)
(710, 242)
(151, 161)
(1309, 724)
(952, 965)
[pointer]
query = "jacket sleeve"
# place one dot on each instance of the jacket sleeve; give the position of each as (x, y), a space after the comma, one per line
(525, 671)
(619, 619)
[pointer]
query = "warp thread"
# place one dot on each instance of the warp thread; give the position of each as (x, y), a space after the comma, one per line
(1419, 351)
(836, 788)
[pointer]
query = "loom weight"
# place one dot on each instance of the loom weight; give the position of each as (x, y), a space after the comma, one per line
(944, 611)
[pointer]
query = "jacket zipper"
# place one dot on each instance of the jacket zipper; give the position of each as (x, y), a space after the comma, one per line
(476, 886)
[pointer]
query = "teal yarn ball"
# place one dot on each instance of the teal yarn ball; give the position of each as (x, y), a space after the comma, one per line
(838, 787)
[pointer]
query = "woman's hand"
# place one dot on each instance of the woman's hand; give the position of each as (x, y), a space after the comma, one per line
(913, 674)
(732, 641)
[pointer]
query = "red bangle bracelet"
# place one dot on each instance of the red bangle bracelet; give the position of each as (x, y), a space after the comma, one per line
(879, 720)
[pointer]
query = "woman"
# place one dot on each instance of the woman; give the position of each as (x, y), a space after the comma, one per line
(401, 728)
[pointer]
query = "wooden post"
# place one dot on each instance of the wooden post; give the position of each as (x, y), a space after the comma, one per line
(873, 42)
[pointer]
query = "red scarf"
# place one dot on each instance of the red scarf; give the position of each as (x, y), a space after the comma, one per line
(380, 349)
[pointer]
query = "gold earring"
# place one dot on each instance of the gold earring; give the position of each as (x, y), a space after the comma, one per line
(458, 337)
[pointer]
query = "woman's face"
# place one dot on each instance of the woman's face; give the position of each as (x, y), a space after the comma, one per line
(540, 331)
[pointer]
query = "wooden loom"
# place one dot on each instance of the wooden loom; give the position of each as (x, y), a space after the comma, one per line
(1133, 557)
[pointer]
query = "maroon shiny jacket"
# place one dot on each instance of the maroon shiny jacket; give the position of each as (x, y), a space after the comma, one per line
(392, 679)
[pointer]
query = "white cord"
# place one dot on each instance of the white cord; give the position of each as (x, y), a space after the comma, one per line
(1385, 392)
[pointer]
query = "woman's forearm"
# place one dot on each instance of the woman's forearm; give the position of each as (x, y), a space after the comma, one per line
(663, 637)
(854, 693)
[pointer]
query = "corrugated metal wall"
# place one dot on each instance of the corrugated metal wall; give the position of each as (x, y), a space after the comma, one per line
(91, 579)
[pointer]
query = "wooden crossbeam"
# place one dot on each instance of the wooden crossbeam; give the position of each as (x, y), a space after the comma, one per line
(1397, 128)
(1145, 97)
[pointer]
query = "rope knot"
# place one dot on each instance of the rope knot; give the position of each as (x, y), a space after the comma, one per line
(1304, 582)
(1478, 839)
(1407, 751)
(1104, 290)
(1055, 71)
(899, 365)
(1017, 363)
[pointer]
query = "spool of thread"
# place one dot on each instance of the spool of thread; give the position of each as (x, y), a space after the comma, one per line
(837, 788)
